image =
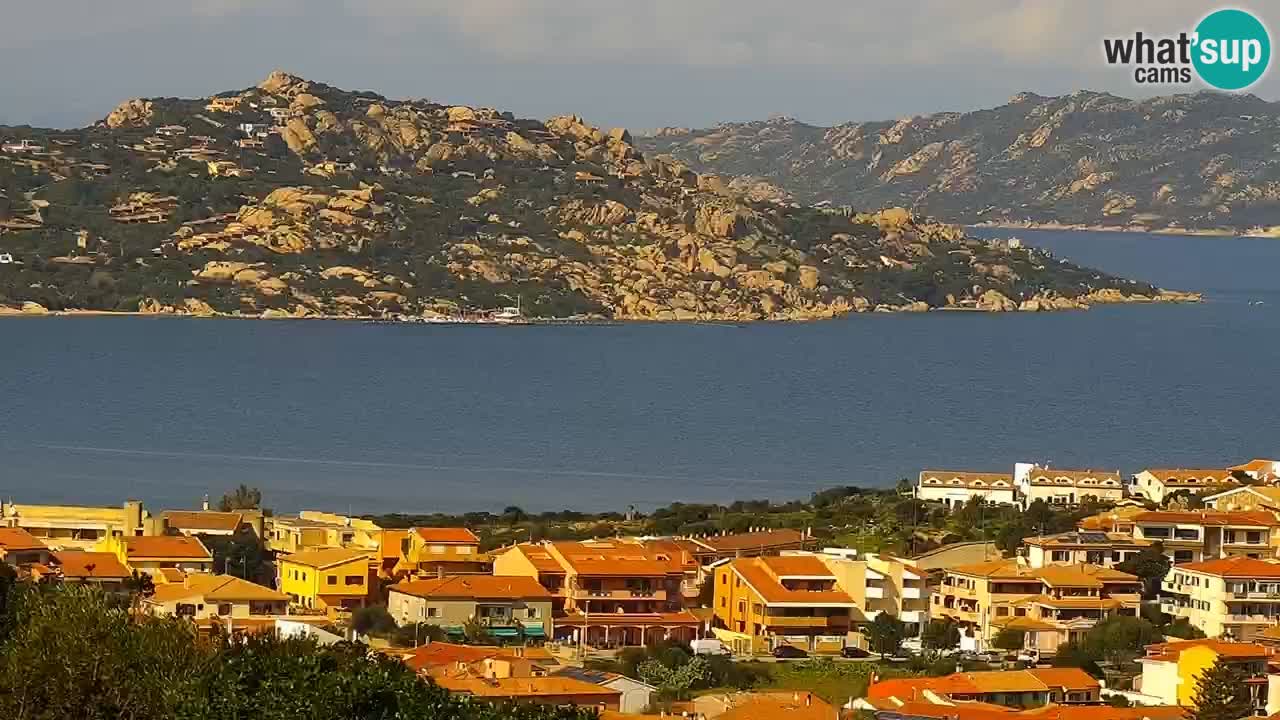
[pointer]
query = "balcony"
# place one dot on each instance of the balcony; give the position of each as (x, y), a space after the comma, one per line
(875, 592)
(1253, 619)
(912, 616)
(816, 621)
(638, 594)
(912, 593)
(1256, 595)
(958, 591)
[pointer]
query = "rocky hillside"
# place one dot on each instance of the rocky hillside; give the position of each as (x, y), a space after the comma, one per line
(293, 198)
(1194, 162)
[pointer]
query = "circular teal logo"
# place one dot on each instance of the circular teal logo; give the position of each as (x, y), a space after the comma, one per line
(1232, 49)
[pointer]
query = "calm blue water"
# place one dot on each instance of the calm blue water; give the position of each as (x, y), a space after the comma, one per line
(359, 417)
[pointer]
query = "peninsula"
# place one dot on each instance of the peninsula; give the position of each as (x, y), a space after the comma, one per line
(296, 199)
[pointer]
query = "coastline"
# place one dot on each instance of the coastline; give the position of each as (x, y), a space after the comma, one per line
(1037, 304)
(1272, 233)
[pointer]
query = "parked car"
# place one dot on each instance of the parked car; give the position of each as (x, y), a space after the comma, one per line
(1029, 656)
(851, 651)
(709, 646)
(789, 651)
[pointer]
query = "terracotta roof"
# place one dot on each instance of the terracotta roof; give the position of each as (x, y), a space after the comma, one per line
(610, 558)
(197, 520)
(171, 575)
(17, 539)
(756, 573)
(216, 588)
(530, 687)
(752, 540)
(94, 565)
(1192, 477)
(1122, 515)
(1255, 465)
(446, 535)
(475, 586)
(1170, 651)
(325, 558)
(982, 683)
(983, 480)
(1260, 518)
(165, 547)
(1023, 623)
(1078, 603)
(1086, 539)
(538, 556)
(1069, 678)
(442, 653)
(802, 705)
(1234, 567)
(909, 689)
(992, 568)
(1082, 575)
(797, 566)
(1049, 476)
(983, 711)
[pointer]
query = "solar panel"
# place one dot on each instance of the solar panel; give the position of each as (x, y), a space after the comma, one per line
(1094, 537)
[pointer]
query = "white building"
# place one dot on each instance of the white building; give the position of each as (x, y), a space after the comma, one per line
(1156, 484)
(1066, 487)
(955, 488)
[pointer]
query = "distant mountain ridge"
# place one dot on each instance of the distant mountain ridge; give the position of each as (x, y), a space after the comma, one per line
(1204, 161)
(293, 198)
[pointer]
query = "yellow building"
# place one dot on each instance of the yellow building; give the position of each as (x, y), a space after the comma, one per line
(333, 580)
(764, 602)
(312, 530)
(205, 596)
(1053, 604)
(1233, 598)
(431, 551)
(76, 527)
(156, 554)
(1171, 671)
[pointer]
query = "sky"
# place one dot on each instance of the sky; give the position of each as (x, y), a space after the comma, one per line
(641, 64)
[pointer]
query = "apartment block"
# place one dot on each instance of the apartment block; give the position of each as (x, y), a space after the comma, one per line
(1196, 535)
(1066, 487)
(1234, 598)
(954, 488)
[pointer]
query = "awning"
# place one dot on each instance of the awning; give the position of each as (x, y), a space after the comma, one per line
(454, 630)
(504, 632)
(534, 631)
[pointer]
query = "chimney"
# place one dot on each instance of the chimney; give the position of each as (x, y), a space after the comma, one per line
(204, 504)
(439, 572)
(808, 699)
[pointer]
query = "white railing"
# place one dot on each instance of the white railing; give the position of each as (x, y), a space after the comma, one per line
(912, 593)
(875, 592)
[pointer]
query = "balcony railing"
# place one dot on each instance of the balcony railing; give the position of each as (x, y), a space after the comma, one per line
(638, 594)
(875, 592)
(814, 621)
(912, 593)
(1267, 619)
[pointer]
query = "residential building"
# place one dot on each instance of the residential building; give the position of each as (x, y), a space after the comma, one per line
(796, 600)
(70, 527)
(955, 488)
(881, 583)
(636, 696)
(19, 547)
(101, 569)
(1081, 547)
(436, 659)
(542, 690)
(608, 593)
(1118, 519)
(429, 551)
(1195, 535)
(1053, 604)
(224, 104)
(1157, 484)
(1259, 469)
(1245, 497)
(1171, 671)
(917, 710)
(152, 554)
(312, 530)
(1234, 598)
(335, 580)
(204, 596)
(799, 705)
(1031, 688)
(208, 522)
(1066, 487)
(509, 607)
(713, 548)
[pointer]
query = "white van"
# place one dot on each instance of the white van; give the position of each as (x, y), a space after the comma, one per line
(709, 646)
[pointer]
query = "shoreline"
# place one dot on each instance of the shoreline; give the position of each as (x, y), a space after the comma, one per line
(1129, 229)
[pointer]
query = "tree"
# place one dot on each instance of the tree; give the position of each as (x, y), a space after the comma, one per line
(1010, 536)
(1221, 694)
(475, 633)
(1011, 639)
(1150, 565)
(674, 683)
(415, 634)
(940, 634)
(242, 555)
(373, 620)
(242, 498)
(885, 634)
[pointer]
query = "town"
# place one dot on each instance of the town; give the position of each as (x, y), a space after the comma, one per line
(1166, 590)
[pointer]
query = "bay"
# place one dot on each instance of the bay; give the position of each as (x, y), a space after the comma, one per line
(356, 417)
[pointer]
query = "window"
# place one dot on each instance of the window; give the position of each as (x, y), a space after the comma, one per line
(433, 612)
(332, 579)
(533, 612)
(1059, 555)
(354, 580)
(224, 608)
(437, 549)
(724, 602)
(1002, 611)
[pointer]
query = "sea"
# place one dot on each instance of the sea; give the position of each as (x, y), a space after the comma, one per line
(368, 418)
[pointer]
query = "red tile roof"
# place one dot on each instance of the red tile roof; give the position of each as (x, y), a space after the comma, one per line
(165, 546)
(198, 520)
(1171, 650)
(77, 565)
(762, 540)
(1260, 518)
(1234, 567)
(17, 539)
(446, 535)
(759, 575)
(475, 586)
